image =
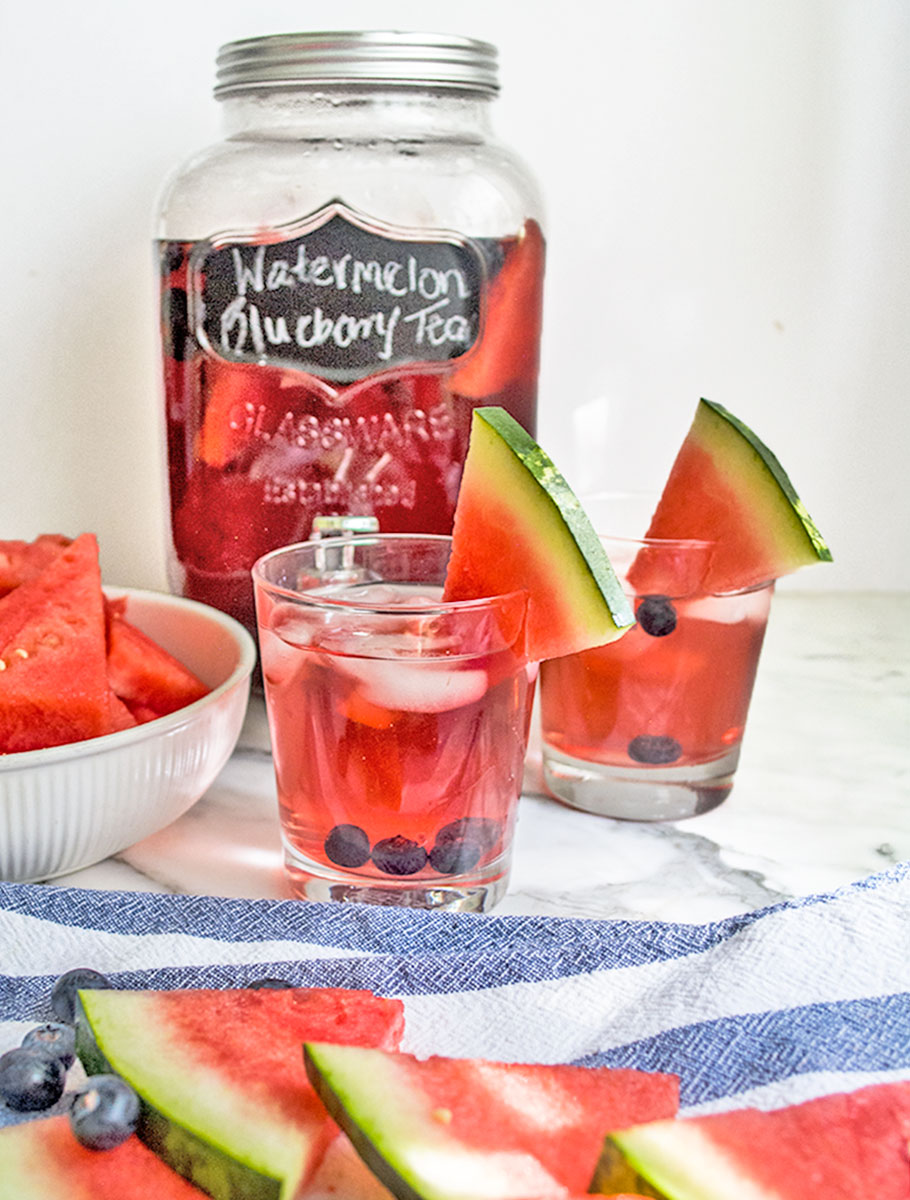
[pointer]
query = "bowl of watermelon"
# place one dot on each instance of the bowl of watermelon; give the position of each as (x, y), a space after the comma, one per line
(118, 707)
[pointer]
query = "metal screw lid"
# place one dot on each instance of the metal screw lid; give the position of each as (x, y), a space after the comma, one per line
(308, 59)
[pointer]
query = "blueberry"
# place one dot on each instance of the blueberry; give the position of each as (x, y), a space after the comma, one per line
(55, 1040)
(456, 856)
(63, 997)
(398, 855)
(484, 830)
(30, 1080)
(651, 748)
(104, 1112)
(270, 984)
(656, 615)
(347, 845)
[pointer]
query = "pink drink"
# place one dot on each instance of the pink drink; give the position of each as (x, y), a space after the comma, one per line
(399, 727)
(649, 727)
(677, 698)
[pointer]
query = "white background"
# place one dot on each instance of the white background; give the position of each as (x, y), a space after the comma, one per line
(728, 214)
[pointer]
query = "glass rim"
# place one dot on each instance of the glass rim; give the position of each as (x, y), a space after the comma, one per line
(627, 496)
(340, 604)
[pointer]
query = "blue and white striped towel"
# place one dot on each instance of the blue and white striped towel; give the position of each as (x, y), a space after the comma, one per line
(768, 1008)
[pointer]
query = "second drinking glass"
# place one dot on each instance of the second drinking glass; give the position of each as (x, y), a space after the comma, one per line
(649, 727)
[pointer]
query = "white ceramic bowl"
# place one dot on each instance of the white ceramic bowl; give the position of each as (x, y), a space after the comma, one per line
(69, 806)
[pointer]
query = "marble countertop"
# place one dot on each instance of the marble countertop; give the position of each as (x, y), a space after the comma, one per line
(822, 796)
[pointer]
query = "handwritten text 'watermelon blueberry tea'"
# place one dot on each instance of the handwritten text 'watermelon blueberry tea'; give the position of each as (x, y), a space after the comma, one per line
(650, 727)
(344, 279)
(399, 724)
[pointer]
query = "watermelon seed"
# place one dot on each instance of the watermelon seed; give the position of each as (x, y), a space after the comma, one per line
(269, 983)
(653, 749)
(656, 615)
(399, 855)
(347, 846)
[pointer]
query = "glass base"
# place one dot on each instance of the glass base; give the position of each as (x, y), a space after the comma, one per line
(639, 793)
(314, 881)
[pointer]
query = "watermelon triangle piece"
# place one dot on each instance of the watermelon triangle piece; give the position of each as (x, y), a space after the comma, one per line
(519, 527)
(437, 1127)
(220, 1076)
(42, 1159)
(838, 1147)
(726, 486)
(508, 347)
(20, 560)
(53, 684)
(148, 680)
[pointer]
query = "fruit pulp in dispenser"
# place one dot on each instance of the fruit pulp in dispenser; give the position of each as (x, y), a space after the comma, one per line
(257, 449)
(392, 754)
(674, 691)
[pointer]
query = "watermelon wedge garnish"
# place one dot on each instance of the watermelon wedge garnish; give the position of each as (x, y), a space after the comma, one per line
(726, 486)
(225, 1098)
(444, 1128)
(520, 527)
(53, 683)
(41, 1160)
(849, 1146)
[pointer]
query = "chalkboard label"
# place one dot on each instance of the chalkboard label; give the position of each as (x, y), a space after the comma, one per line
(339, 296)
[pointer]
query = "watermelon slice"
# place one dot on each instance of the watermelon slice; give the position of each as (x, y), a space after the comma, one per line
(519, 527)
(438, 1128)
(24, 560)
(727, 487)
(840, 1147)
(225, 1099)
(145, 677)
(41, 1159)
(508, 348)
(53, 685)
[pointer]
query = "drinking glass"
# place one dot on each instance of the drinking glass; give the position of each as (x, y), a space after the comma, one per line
(649, 727)
(399, 723)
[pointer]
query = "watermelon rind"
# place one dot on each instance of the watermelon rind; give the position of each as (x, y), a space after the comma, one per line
(406, 1147)
(840, 1146)
(673, 1160)
(42, 1160)
(519, 526)
(221, 1172)
(726, 486)
(771, 463)
(219, 1073)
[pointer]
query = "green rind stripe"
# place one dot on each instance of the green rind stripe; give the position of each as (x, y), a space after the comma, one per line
(199, 1161)
(681, 1160)
(557, 491)
(780, 476)
(331, 1091)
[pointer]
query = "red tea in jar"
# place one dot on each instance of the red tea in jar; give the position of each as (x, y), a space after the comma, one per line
(344, 278)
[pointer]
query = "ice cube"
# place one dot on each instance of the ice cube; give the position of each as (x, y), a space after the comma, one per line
(297, 624)
(279, 660)
(414, 686)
